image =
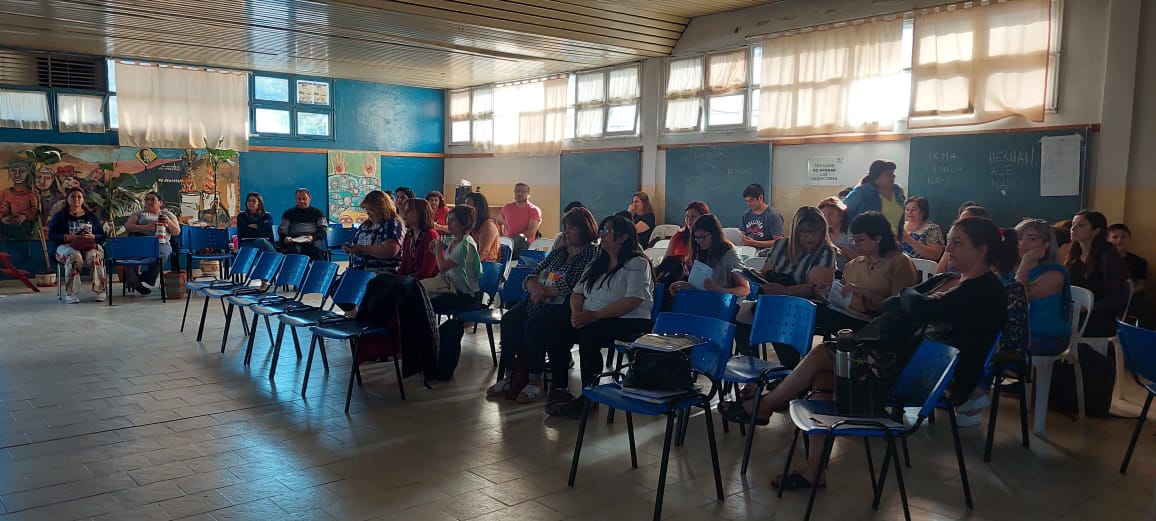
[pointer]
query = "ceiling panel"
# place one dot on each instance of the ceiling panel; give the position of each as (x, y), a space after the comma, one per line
(428, 43)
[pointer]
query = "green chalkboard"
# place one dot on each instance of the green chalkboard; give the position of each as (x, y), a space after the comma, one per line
(1000, 171)
(603, 181)
(717, 175)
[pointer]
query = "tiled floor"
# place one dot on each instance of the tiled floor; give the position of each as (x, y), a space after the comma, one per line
(110, 413)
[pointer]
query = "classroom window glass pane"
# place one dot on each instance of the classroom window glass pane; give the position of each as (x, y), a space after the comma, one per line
(312, 92)
(110, 74)
(725, 110)
(484, 131)
(589, 123)
(460, 131)
(312, 124)
(755, 107)
(683, 114)
(622, 118)
(756, 64)
(113, 114)
(270, 121)
(270, 89)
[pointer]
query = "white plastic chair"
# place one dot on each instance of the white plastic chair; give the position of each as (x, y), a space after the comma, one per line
(507, 241)
(664, 231)
(542, 245)
(661, 245)
(734, 235)
(1042, 365)
(655, 255)
(925, 268)
(746, 252)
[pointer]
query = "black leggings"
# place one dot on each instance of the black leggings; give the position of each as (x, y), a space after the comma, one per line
(592, 339)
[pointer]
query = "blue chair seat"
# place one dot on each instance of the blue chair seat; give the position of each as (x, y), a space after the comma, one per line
(750, 369)
(212, 256)
(136, 262)
(348, 329)
(275, 308)
(305, 318)
(254, 298)
(221, 292)
(198, 285)
(482, 316)
(612, 395)
(817, 417)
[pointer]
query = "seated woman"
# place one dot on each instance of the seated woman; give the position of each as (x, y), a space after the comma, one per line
(255, 225)
(1094, 264)
(456, 287)
(643, 217)
(806, 260)
(837, 229)
(965, 310)
(484, 230)
(712, 249)
(1049, 290)
(880, 271)
(78, 234)
(922, 239)
(417, 260)
(144, 223)
(611, 301)
(681, 243)
(377, 242)
(541, 322)
(437, 201)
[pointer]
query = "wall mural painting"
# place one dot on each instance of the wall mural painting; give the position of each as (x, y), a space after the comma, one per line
(33, 186)
(351, 176)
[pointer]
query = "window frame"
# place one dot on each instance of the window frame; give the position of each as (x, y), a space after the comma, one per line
(606, 104)
(749, 89)
(54, 107)
(50, 95)
(470, 111)
(293, 106)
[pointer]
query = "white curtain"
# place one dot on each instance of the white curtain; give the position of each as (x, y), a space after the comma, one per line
(727, 72)
(683, 91)
(845, 78)
(530, 118)
(24, 109)
(623, 86)
(80, 113)
(975, 63)
(182, 108)
(460, 106)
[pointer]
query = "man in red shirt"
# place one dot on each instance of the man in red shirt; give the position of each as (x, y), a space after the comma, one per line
(520, 217)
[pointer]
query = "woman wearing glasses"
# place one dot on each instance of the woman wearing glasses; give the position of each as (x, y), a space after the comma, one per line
(145, 223)
(711, 248)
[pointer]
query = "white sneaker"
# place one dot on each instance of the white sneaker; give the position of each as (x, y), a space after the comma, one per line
(968, 419)
(974, 405)
(100, 297)
(69, 299)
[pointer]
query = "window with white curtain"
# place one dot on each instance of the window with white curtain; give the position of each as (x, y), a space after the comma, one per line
(179, 107)
(684, 82)
(482, 113)
(529, 117)
(606, 102)
(975, 63)
(80, 113)
(845, 77)
(460, 116)
(27, 109)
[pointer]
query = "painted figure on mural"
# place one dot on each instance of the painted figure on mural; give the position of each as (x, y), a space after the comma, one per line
(49, 194)
(18, 204)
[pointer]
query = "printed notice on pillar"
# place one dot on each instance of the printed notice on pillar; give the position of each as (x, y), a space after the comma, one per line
(823, 171)
(1060, 165)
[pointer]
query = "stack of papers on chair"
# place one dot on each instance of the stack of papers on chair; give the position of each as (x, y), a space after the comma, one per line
(648, 395)
(661, 342)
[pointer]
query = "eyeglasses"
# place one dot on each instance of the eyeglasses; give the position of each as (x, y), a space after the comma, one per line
(700, 238)
(863, 240)
(804, 231)
(605, 231)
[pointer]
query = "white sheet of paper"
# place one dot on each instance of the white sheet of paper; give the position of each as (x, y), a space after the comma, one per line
(699, 272)
(836, 298)
(1060, 165)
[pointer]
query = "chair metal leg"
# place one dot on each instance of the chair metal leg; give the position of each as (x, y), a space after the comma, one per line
(228, 322)
(902, 488)
(188, 297)
(870, 460)
(991, 417)
(1024, 413)
(959, 456)
(906, 453)
(249, 343)
(324, 357)
(244, 323)
(397, 370)
(276, 350)
(790, 456)
(827, 444)
(713, 450)
(268, 327)
(204, 311)
(578, 444)
(883, 469)
(1136, 434)
(630, 436)
(493, 348)
(751, 433)
(353, 373)
(680, 433)
(161, 280)
(308, 366)
(663, 465)
(296, 342)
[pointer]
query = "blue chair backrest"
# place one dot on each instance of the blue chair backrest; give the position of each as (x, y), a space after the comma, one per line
(925, 377)
(531, 257)
(713, 304)
(491, 277)
(754, 285)
(512, 290)
(710, 359)
(293, 269)
(267, 266)
(1139, 347)
(783, 319)
(319, 280)
(243, 261)
(232, 231)
(989, 369)
(200, 238)
(504, 253)
(659, 296)
(352, 287)
(335, 236)
(132, 248)
(183, 238)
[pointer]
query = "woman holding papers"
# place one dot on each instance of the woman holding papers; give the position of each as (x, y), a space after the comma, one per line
(611, 301)
(716, 266)
(880, 271)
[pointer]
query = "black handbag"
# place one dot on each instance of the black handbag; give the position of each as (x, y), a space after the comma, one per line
(653, 370)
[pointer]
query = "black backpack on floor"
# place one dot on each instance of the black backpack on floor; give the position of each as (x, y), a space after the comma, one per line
(1099, 378)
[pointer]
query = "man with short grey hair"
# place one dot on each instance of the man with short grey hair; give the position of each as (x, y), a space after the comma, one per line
(303, 228)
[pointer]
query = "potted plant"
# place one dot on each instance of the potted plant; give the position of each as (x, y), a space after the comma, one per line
(215, 157)
(119, 197)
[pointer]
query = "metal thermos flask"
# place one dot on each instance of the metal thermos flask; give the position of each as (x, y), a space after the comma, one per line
(844, 359)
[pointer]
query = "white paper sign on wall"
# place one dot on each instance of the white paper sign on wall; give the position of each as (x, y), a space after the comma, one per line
(824, 171)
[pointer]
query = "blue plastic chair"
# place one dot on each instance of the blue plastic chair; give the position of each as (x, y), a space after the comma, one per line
(504, 253)
(1139, 348)
(264, 271)
(354, 331)
(779, 319)
(350, 291)
(510, 293)
(708, 359)
(134, 252)
(319, 281)
(290, 273)
(530, 258)
(713, 304)
(201, 238)
(241, 266)
(922, 381)
(335, 236)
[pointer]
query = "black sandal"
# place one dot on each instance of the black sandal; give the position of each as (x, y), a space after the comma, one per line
(795, 481)
(733, 412)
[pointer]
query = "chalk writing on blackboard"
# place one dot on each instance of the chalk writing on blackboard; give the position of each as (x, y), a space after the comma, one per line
(1004, 167)
(945, 168)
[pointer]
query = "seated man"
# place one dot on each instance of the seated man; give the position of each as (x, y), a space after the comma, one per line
(762, 225)
(153, 220)
(520, 217)
(303, 228)
(1120, 236)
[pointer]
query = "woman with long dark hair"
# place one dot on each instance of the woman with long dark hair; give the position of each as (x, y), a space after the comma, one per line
(921, 238)
(878, 192)
(417, 260)
(376, 245)
(838, 229)
(485, 231)
(1095, 265)
(642, 214)
(437, 202)
(255, 225)
(680, 244)
(611, 301)
(711, 248)
(78, 234)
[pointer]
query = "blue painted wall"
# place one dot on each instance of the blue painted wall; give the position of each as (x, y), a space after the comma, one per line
(278, 175)
(422, 174)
